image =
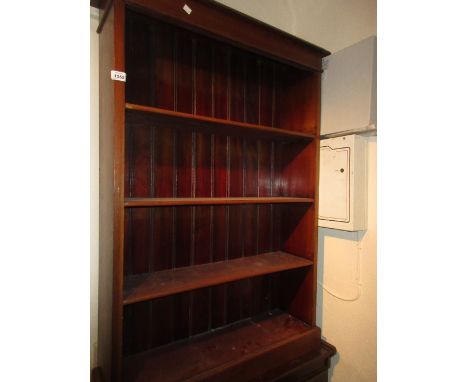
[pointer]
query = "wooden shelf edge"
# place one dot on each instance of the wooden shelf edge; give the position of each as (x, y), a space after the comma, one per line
(160, 202)
(149, 286)
(203, 120)
(305, 367)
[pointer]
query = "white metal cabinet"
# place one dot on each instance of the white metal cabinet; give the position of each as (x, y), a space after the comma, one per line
(349, 88)
(343, 183)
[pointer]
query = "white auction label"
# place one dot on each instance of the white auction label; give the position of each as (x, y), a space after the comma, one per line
(118, 76)
(187, 9)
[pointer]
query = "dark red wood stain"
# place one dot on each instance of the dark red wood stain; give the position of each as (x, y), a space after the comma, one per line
(209, 165)
(240, 200)
(137, 59)
(203, 229)
(168, 282)
(209, 125)
(198, 359)
(175, 70)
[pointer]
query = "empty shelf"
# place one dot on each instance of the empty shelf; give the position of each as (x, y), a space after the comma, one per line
(218, 125)
(155, 202)
(148, 286)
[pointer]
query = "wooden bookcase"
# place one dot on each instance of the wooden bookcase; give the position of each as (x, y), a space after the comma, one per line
(209, 171)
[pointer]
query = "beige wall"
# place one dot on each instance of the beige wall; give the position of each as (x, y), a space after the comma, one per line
(331, 24)
(94, 136)
(349, 325)
(348, 317)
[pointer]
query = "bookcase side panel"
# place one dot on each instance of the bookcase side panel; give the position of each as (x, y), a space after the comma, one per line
(111, 221)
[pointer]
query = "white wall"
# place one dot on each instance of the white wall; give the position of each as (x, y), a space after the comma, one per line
(94, 137)
(331, 24)
(351, 325)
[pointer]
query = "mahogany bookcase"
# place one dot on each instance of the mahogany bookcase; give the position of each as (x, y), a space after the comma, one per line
(208, 195)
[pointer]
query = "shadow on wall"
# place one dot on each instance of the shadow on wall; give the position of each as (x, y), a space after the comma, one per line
(339, 273)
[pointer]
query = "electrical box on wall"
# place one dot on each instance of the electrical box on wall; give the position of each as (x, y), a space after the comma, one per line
(349, 88)
(343, 183)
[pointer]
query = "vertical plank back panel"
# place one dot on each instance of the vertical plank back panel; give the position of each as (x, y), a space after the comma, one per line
(185, 178)
(203, 105)
(221, 177)
(295, 103)
(171, 68)
(161, 325)
(138, 58)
